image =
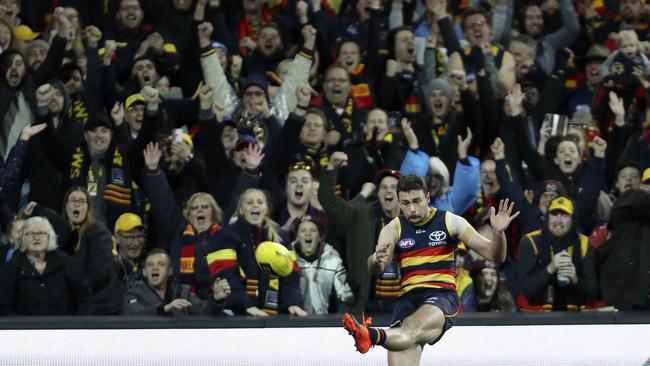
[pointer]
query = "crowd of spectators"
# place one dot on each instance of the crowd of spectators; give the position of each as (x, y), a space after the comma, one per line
(148, 147)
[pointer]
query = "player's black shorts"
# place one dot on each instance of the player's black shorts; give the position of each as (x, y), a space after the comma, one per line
(445, 300)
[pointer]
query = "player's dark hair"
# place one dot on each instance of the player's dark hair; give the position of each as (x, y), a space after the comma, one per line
(411, 183)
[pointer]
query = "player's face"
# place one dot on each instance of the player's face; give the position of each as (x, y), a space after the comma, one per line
(414, 205)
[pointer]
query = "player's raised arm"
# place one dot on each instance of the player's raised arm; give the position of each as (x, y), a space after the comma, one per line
(385, 247)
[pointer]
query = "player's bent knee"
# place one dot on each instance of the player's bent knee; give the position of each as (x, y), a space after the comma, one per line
(426, 325)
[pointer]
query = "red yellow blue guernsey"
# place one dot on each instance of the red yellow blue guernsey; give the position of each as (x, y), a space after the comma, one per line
(426, 253)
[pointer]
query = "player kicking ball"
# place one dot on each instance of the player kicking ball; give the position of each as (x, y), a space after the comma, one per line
(423, 242)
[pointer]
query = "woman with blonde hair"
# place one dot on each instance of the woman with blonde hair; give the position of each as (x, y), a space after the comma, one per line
(90, 243)
(187, 232)
(232, 256)
(41, 279)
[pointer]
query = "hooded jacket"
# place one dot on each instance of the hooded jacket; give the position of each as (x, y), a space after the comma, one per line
(320, 275)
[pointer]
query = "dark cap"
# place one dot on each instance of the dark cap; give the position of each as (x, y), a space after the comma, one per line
(255, 80)
(385, 173)
(243, 141)
(479, 265)
(98, 120)
(228, 121)
(552, 186)
(322, 230)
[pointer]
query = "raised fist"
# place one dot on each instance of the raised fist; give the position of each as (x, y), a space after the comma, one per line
(303, 95)
(92, 35)
(150, 94)
(44, 95)
(338, 159)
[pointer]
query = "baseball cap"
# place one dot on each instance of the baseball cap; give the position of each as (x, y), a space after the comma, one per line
(646, 176)
(132, 99)
(561, 203)
(244, 141)
(385, 173)
(128, 221)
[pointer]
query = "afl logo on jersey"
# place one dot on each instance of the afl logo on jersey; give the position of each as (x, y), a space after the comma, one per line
(406, 243)
(437, 238)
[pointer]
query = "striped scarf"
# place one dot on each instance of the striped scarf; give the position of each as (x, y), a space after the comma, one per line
(188, 255)
(412, 103)
(117, 186)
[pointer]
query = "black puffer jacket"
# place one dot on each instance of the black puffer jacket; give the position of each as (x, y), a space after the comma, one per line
(624, 260)
(93, 252)
(59, 290)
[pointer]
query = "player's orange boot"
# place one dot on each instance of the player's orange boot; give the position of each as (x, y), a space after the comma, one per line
(359, 331)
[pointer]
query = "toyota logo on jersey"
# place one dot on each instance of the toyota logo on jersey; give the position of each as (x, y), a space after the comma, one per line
(437, 238)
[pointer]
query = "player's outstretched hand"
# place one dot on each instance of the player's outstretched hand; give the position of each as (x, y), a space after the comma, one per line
(500, 220)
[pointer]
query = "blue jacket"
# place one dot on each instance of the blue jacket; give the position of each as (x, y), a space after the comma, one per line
(466, 188)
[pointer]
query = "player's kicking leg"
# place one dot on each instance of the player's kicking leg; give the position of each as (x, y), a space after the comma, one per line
(423, 326)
